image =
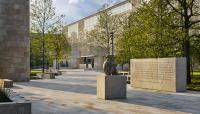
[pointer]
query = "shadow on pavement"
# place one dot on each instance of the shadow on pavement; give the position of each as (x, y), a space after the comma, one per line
(85, 89)
(182, 103)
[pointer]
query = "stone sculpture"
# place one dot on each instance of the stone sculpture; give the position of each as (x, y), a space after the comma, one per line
(109, 66)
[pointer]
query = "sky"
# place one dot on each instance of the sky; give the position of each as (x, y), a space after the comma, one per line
(75, 10)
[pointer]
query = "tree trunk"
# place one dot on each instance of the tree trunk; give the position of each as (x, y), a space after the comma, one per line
(43, 53)
(187, 55)
(56, 62)
(58, 66)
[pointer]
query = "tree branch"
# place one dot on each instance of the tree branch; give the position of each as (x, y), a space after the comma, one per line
(175, 9)
(194, 22)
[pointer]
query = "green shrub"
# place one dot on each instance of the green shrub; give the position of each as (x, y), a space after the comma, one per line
(4, 95)
(35, 71)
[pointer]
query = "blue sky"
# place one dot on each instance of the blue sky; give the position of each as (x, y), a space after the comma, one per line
(77, 9)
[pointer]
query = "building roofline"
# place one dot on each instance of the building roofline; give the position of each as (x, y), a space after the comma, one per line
(114, 6)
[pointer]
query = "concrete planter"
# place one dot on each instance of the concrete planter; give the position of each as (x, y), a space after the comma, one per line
(18, 106)
(111, 87)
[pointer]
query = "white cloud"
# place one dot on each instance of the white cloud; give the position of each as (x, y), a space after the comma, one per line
(74, 1)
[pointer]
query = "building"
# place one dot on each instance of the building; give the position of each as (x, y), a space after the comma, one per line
(83, 54)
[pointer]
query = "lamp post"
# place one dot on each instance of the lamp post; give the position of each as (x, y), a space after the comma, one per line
(109, 65)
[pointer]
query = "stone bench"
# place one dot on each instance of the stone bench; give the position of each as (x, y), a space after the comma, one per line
(47, 75)
(59, 72)
(5, 83)
(55, 71)
(128, 77)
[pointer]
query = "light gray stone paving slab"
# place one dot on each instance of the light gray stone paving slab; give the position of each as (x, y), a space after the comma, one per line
(75, 93)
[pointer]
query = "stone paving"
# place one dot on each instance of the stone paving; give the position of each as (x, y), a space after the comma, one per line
(75, 93)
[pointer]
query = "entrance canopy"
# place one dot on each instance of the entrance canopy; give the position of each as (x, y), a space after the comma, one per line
(88, 56)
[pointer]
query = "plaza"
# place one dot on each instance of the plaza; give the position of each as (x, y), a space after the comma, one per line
(127, 57)
(75, 93)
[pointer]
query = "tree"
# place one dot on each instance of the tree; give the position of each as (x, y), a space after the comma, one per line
(189, 11)
(58, 45)
(148, 33)
(43, 19)
(35, 50)
(107, 23)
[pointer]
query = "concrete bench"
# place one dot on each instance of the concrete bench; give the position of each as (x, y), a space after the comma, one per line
(5, 83)
(128, 77)
(46, 75)
(55, 71)
(123, 73)
(49, 75)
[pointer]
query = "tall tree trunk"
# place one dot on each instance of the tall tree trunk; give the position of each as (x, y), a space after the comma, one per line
(56, 61)
(43, 39)
(43, 53)
(187, 39)
(187, 55)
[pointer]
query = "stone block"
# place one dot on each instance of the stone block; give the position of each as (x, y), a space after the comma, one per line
(5, 83)
(111, 87)
(164, 74)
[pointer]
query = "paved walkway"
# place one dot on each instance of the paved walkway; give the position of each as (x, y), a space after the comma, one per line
(75, 93)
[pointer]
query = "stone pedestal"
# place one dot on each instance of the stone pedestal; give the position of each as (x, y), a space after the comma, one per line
(5, 83)
(111, 87)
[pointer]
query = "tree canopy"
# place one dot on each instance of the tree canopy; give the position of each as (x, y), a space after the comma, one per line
(149, 33)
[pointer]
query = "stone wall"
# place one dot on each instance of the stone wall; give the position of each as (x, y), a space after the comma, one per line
(165, 74)
(14, 40)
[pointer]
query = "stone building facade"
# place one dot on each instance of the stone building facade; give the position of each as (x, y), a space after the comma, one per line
(83, 54)
(14, 40)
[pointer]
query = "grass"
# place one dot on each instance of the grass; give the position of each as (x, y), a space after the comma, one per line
(195, 86)
(196, 73)
(35, 71)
